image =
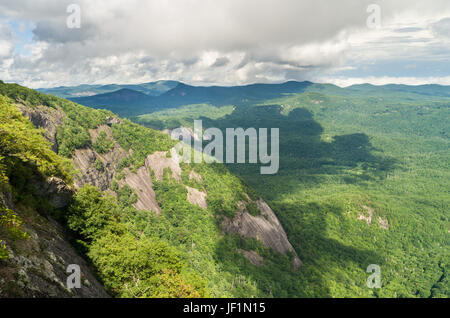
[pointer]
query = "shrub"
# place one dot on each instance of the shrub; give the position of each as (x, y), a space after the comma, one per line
(103, 144)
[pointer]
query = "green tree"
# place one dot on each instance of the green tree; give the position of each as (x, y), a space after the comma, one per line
(91, 212)
(139, 267)
(103, 144)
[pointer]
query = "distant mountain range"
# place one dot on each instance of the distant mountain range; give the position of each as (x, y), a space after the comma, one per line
(131, 100)
(151, 89)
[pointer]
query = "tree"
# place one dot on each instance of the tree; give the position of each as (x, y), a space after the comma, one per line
(91, 212)
(140, 267)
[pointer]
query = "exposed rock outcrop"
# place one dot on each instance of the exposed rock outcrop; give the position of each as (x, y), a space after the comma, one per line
(195, 176)
(37, 267)
(160, 161)
(182, 133)
(383, 223)
(100, 170)
(112, 121)
(47, 118)
(85, 161)
(197, 197)
(368, 218)
(56, 190)
(264, 227)
(141, 182)
(253, 257)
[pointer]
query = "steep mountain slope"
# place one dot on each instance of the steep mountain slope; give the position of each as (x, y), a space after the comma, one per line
(34, 249)
(131, 188)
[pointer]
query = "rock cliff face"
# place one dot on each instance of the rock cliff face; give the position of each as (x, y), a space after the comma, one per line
(141, 183)
(85, 161)
(47, 118)
(264, 227)
(160, 161)
(57, 192)
(37, 267)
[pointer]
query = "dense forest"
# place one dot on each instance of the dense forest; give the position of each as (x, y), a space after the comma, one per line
(364, 179)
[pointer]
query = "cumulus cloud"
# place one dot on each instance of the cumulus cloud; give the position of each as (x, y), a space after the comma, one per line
(442, 28)
(215, 42)
(383, 80)
(6, 45)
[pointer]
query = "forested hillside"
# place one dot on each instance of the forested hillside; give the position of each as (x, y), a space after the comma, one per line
(364, 179)
(148, 225)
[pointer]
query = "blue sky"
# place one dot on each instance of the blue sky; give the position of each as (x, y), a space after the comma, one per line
(226, 43)
(23, 32)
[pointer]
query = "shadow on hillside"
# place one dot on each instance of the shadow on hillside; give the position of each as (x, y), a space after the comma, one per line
(306, 160)
(303, 151)
(327, 263)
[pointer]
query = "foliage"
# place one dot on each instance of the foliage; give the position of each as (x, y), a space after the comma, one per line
(99, 165)
(70, 137)
(183, 116)
(141, 140)
(130, 266)
(126, 196)
(341, 153)
(252, 208)
(341, 156)
(91, 212)
(11, 226)
(12, 223)
(24, 153)
(28, 97)
(139, 267)
(103, 144)
(74, 133)
(3, 252)
(94, 216)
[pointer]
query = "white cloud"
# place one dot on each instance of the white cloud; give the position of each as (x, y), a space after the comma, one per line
(211, 42)
(383, 80)
(6, 48)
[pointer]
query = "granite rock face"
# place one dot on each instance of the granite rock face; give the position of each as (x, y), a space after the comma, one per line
(264, 227)
(87, 161)
(37, 266)
(56, 191)
(47, 118)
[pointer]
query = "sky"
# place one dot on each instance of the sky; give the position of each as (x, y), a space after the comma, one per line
(227, 42)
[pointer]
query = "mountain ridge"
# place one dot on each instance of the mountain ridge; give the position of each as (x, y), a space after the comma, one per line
(182, 94)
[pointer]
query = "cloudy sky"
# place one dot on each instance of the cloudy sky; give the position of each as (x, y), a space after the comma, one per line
(226, 42)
